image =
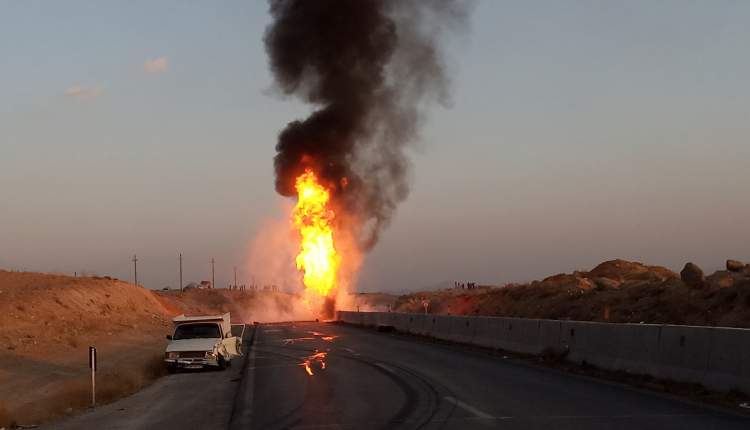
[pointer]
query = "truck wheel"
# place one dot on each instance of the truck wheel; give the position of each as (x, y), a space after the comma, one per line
(171, 368)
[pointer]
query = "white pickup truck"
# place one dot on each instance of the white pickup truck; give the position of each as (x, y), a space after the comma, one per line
(202, 341)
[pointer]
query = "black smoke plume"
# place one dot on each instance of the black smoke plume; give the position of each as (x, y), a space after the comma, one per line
(369, 67)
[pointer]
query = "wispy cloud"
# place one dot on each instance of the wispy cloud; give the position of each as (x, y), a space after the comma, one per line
(79, 92)
(156, 65)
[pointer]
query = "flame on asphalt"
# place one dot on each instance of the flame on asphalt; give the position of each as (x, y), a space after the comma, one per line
(319, 357)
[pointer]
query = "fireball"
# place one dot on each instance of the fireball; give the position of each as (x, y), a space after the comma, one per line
(313, 218)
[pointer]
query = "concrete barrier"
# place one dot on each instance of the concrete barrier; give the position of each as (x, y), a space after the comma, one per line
(420, 324)
(730, 356)
(549, 335)
(520, 335)
(638, 348)
(684, 352)
(387, 319)
(402, 322)
(717, 357)
(441, 327)
(601, 346)
(462, 329)
(487, 332)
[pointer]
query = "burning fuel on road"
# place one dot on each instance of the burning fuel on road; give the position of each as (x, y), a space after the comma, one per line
(369, 67)
(319, 358)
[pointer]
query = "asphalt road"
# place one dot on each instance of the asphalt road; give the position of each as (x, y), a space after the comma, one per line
(361, 379)
(189, 400)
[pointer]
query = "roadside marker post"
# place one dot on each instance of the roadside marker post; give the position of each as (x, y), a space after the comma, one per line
(92, 366)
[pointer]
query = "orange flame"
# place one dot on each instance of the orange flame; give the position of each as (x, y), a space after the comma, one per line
(319, 357)
(313, 218)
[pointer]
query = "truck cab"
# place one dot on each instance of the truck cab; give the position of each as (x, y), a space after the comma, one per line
(201, 341)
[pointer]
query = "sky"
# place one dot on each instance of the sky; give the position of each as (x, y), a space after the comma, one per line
(578, 131)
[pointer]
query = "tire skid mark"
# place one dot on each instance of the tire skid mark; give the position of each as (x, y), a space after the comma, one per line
(413, 384)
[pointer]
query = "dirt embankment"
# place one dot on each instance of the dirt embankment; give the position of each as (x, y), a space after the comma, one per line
(614, 291)
(47, 323)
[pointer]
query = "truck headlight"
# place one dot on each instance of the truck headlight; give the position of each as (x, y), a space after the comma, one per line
(173, 355)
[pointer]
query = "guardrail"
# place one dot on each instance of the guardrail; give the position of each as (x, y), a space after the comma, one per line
(716, 357)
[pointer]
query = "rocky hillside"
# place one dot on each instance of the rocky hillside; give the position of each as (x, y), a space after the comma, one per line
(615, 291)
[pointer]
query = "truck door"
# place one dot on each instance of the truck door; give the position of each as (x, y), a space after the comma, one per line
(231, 343)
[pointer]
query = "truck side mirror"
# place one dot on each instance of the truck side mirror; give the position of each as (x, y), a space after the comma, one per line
(169, 337)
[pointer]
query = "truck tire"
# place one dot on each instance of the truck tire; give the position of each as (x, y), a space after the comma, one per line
(222, 362)
(171, 368)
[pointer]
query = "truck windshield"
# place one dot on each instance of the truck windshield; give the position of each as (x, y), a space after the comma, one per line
(197, 331)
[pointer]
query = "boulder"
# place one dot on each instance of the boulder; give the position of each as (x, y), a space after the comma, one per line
(646, 276)
(564, 280)
(735, 266)
(725, 279)
(692, 275)
(743, 286)
(617, 269)
(662, 273)
(636, 283)
(606, 283)
(630, 270)
(585, 283)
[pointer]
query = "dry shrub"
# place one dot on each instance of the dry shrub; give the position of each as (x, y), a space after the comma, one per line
(154, 368)
(75, 394)
(117, 384)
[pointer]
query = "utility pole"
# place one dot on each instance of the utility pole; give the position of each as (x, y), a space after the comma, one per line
(180, 272)
(135, 268)
(213, 279)
(235, 277)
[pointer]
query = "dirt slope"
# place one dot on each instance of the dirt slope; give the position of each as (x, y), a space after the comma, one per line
(47, 323)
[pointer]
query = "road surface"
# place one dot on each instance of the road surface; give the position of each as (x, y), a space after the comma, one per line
(327, 376)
